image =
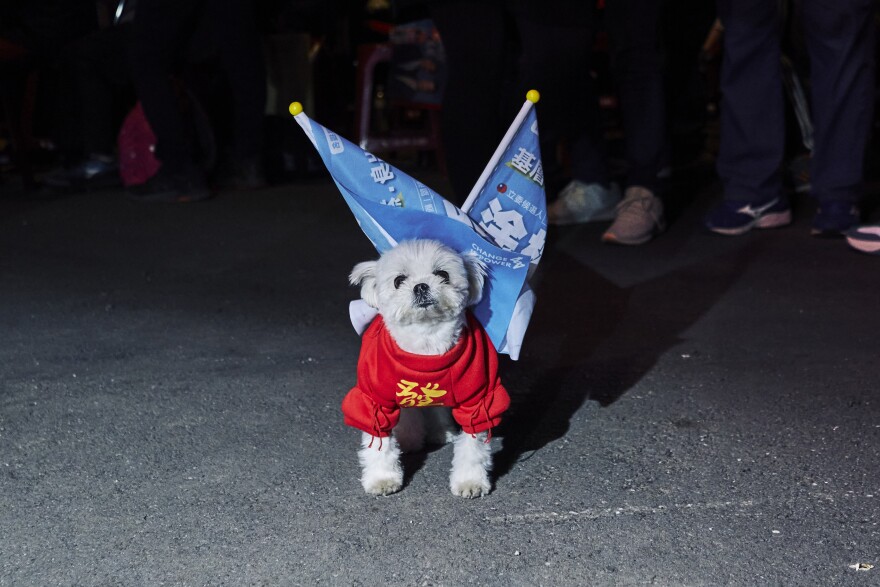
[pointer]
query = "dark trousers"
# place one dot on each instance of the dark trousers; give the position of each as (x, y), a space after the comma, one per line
(103, 87)
(473, 114)
(637, 66)
(839, 37)
(556, 60)
(495, 55)
(163, 31)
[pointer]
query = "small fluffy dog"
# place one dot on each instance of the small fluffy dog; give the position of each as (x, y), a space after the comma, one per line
(424, 350)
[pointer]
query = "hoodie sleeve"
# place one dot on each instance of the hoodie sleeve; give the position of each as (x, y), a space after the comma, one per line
(360, 411)
(484, 413)
(483, 397)
(359, 408)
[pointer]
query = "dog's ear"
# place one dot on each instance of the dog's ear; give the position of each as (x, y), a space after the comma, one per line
(364, 275)
(476, 276)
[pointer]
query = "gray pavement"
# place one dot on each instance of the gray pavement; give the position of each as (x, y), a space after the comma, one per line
(700, 410)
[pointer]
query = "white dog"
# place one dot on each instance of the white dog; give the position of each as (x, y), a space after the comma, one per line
(424, 350)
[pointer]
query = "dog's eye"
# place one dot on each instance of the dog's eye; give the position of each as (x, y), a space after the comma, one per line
(442, 275)
(398, 281)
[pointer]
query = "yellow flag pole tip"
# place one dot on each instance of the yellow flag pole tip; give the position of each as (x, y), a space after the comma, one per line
(297, 108)
(532, 96)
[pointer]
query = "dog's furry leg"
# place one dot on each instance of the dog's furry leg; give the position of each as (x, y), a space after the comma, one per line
(471, 463)
(410, 430)
(381, 473)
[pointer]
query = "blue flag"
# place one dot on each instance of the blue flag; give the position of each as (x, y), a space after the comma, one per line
(505, 227)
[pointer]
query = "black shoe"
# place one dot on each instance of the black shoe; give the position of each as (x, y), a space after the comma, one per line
(834, 218)
(171, 187)
(95, 172)
(241, 175)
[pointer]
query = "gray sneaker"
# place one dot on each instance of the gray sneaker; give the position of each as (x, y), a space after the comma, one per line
(639, 218)
(583, 202)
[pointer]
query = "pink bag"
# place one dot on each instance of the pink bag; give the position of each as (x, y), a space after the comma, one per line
(137, 146)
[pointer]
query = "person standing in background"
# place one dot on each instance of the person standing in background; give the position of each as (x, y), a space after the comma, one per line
(839, 38)
(163, 30)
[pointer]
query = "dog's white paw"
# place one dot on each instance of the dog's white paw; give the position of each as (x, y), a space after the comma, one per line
(385, 486)
(471, 488)
(382, 479)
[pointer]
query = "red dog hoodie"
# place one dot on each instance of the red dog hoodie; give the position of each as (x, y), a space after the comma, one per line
(465, 378)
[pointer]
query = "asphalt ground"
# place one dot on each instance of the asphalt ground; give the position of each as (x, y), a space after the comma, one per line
(700, 410)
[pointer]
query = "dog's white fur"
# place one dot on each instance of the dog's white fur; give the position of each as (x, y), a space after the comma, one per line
(422, 289)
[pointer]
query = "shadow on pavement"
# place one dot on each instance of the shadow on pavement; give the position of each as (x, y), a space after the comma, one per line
(592, 340)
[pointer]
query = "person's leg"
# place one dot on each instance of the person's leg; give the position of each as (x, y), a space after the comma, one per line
(752, 120)
(556, 38)
(157, 50)
(161, 29)
(232, 29)
(102, 70)
(242, 57)
(474, 37)
(556, 49)
(840, 37)
(637, 65)
(98, 68)
(752, 115)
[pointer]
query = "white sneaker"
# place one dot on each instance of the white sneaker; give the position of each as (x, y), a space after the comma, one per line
(639, 218)
(583, 202)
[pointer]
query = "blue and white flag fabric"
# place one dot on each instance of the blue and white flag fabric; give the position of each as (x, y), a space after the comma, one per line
(505, 227)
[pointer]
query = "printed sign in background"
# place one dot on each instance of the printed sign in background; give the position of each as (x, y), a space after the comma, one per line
(418, 63)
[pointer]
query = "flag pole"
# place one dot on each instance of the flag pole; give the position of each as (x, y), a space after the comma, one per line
(532, 97)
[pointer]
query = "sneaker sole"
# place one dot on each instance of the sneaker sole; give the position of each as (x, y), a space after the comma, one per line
(773, 220)
(872, 248)
(613, 239)
(830, 232)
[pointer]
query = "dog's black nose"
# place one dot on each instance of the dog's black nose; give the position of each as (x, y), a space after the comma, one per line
(422, 295)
